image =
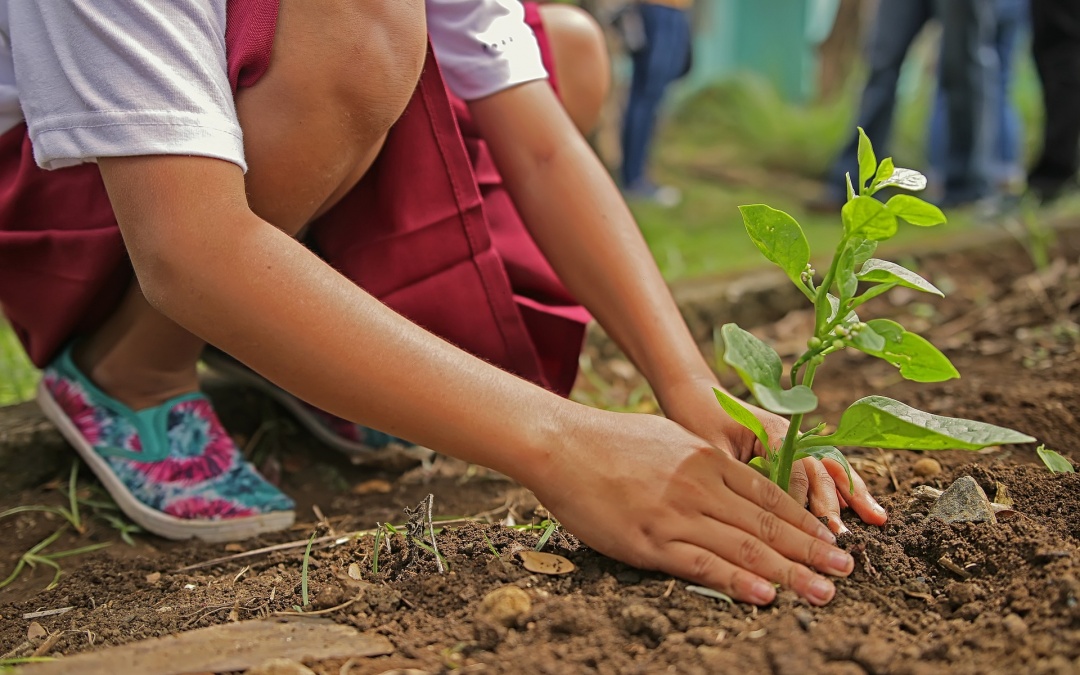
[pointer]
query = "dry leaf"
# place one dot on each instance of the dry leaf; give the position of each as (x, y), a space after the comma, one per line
(546, 563)
(35, 631)
(354, 572)
(374, 486)
(153, 577)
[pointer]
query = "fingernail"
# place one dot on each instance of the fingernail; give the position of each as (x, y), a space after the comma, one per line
(840, 562)
(826, 535)
(762, 593)
(821, 590)
(877, 508)
(841, 528)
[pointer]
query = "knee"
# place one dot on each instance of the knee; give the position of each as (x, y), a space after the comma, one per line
(582, 65)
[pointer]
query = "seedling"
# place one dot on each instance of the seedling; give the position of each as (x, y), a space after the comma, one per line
(304, 568)
(874, 421)
(1053, 461)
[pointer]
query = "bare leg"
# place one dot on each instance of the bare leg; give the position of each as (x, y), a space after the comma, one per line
(582, 66)
(305, 150)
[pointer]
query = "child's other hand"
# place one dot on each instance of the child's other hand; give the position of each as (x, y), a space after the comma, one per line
(643, 489)
(824, 485)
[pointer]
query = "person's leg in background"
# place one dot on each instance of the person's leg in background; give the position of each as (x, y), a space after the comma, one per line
(1005, 151)
(968, 78)
(663, 60)
(1055, 29)
(896, 25)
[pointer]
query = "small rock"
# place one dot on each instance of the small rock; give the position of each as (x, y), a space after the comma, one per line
(281, 667)
(804, 617)
(1015, 625)
(153, 577)
(964, 502)
(927, 467)
(504, 606)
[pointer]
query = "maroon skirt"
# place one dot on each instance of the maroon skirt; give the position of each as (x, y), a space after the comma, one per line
(430, 230)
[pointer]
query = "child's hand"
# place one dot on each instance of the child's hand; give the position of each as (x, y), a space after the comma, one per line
(642, 489)
(824, 485)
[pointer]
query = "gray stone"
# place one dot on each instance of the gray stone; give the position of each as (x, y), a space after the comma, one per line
(964, 502)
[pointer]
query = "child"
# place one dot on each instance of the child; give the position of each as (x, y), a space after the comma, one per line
(350, 138)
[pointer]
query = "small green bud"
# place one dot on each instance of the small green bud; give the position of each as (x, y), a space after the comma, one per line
(814, 343)
(837, 345)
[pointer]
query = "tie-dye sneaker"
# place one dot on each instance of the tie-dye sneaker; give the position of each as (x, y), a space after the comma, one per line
(172, 469)
(354, 440)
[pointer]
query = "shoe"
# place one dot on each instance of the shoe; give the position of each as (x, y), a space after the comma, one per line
(172, 469)
(353, 440)
(666, 196)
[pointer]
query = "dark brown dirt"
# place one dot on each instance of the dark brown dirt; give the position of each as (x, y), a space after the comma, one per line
(925, 597)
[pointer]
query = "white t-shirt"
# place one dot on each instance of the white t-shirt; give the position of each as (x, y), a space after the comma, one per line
(101, 78)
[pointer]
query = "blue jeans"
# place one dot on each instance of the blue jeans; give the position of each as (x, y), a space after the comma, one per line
(664, 59)
(968, 72)
(1013, 18)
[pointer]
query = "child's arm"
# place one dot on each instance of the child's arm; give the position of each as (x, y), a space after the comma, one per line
(578, 218)
(637, 487)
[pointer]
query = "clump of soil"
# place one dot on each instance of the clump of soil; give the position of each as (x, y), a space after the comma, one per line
(926, 597)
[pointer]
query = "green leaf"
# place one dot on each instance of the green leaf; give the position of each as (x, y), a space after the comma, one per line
(829, 452)
(1053, 461)
(917, 359)
(846, 281)
(867, 160)
(834, 307)
(743, 416)
(884, 172)
(879, 422)
(778, 237)
(798, 399)
(754, 360)
(760, 368)
(762, 465)
(850, 188)
(915, 211)
(883, 272)
(867, 218)
(863, 249)
(872, 293)
(905, 179)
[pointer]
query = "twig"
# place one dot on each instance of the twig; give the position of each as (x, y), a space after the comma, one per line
(49, 643)
(47, 612)
(431, 530)
(888, 467)
(327, 610)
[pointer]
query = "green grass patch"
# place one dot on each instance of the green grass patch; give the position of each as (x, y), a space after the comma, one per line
(18, 377)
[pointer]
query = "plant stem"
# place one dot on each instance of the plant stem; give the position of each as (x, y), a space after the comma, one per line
(787, 449)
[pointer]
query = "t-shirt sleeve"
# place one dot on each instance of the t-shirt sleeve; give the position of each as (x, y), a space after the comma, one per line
(106, 78)
(483, 46)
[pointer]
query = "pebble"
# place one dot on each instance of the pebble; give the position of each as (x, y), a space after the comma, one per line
(927, 467)
(505, 605)
(804, 617)
(641, 619)
(281, 667)
(963, 502)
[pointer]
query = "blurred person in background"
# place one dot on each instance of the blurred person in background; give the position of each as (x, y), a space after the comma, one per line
(968, 70)
(1055, 32)
(662, 56)
(1006, 149)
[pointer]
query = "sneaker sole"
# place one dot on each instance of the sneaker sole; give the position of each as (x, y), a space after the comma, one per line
(151, 520)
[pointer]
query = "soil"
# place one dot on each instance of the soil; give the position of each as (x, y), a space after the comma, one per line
(925, 597)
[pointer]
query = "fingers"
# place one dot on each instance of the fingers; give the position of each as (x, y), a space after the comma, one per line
(860, 501)
(702, 566)
(824, 500)
(784, 538)
(722, 546)
(753, 487)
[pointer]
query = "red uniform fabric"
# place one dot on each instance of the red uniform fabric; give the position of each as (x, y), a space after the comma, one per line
(430, 231)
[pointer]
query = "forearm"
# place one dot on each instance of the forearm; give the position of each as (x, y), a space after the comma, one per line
(251, 290)
(580, 221)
